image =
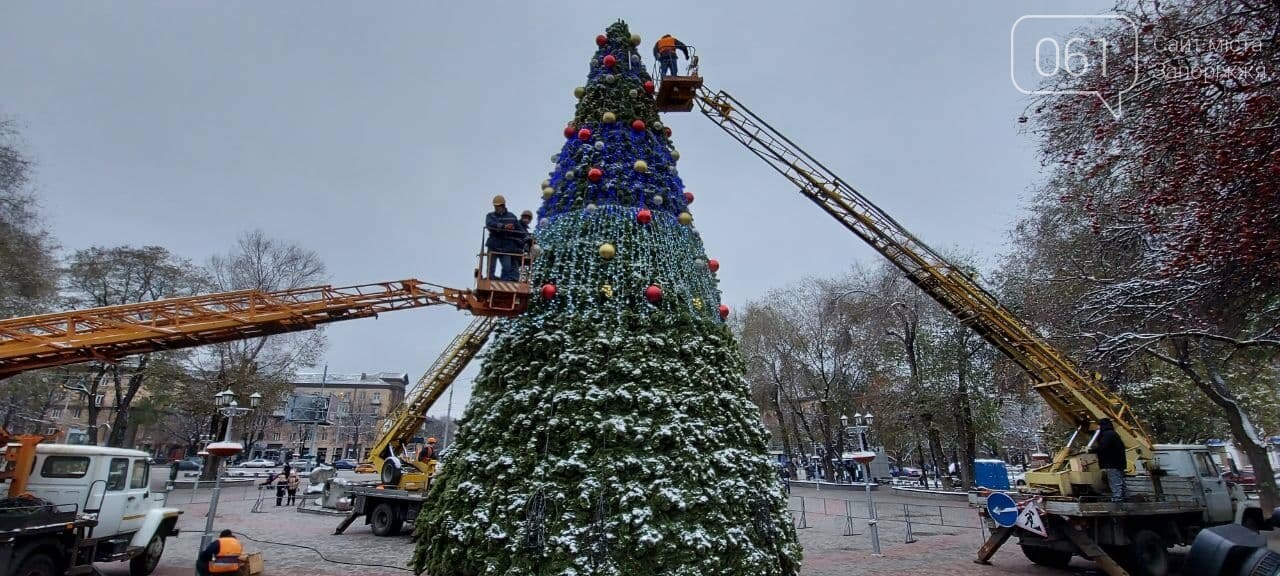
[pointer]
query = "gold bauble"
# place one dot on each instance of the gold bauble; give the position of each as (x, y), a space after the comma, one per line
(579, 92)
(635, 39)
(609, 117)
(607, 251)
(607, 290)
(641, 166)
(548, 192)
(685, 218)
(675, 154)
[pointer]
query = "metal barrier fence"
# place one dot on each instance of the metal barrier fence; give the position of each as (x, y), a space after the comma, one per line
(848, 513)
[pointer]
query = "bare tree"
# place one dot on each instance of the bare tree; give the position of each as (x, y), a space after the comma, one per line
(262, 365)
(125, 275)
(28, 270)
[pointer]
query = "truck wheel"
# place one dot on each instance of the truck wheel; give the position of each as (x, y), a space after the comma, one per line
(1046, 556)
(386, 522)
(390, 473)
(145, 563)
(38, 562)
(1148, 555)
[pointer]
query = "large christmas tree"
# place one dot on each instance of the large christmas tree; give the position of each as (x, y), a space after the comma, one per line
(611, 432)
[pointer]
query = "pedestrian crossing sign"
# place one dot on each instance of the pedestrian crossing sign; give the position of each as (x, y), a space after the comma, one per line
(1029, 519)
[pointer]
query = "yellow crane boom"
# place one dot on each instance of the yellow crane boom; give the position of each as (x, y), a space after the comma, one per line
(1076, 396)
(388, 454)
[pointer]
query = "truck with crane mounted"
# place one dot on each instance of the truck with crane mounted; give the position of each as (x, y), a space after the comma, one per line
(71, 505)
(1179, 488)
(387, 505)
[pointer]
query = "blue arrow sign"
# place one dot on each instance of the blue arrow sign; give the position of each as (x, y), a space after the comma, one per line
(1002, 509)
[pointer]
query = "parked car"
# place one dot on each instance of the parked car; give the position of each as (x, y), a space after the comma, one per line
(345, 464)
(260, 463)
(189, 465)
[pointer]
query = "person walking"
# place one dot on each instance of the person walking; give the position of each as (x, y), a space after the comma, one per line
(664, 51)
(292, 486)
(505, 242)
(1110, 450)
(222, 556)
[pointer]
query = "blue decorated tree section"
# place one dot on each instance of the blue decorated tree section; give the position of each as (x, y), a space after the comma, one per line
(611, 431)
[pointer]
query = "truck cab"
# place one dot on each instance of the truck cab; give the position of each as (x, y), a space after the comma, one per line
(1196, 463)
(110, 489)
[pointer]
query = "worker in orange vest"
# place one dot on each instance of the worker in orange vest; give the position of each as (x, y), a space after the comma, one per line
(222, 556)
(428, 452)
(664, 50)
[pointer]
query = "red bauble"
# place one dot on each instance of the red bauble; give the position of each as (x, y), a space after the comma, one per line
(648, 86)
(653, 293)
(644, 216)
(724, 311)
(569, 131)
(667, 131)
(584, 134)
(609, 61)
(714, 265)
(688, 197)
(637, 125)
(601, 40)
(595, 174)
(548, 291)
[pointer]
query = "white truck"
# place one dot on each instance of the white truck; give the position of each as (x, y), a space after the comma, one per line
(80, 505)
(1182, 492)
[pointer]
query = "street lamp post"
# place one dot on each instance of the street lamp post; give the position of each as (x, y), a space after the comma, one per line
(224, 449)
(861, 424)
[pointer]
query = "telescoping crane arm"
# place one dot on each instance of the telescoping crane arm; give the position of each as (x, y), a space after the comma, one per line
(111, 333)
(1069, 391)
(388, 452)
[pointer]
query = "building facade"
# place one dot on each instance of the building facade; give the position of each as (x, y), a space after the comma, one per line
(358, 403)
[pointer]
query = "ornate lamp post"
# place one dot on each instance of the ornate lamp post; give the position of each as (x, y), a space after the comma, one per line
(861, 424)
(226, 400)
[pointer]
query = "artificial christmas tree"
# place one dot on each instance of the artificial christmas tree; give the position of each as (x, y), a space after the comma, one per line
(611, 432)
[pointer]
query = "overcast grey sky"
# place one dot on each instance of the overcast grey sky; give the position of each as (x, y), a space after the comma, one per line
(376, 133)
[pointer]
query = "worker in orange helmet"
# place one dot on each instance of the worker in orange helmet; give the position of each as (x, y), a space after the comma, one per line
(664, 50)
(222, 556)
(428, 452)
(505, 242)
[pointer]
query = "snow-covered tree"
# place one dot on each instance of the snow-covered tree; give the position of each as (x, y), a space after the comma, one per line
(611, 431)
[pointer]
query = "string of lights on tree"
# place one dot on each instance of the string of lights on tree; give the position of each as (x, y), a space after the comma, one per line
(615, 193)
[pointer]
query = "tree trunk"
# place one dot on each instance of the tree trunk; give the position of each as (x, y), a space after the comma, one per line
(782, 426)
(1242, 429)
(935, 448)
(964, 425)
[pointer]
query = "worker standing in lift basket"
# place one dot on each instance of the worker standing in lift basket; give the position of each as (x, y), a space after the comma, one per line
(664, 51)
(1110, 450)
(505, 242)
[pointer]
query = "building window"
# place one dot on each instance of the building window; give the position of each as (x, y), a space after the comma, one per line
(55, 413)
(75, 412)
(275, 435)
(324, 434)
(97, 400)
(377, 398)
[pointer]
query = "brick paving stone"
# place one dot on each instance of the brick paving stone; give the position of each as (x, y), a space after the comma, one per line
(943, 550)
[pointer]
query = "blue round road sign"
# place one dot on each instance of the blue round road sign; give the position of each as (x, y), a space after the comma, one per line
(1002, 509)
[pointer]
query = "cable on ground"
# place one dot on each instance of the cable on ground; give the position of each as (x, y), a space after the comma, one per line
(319, 553)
